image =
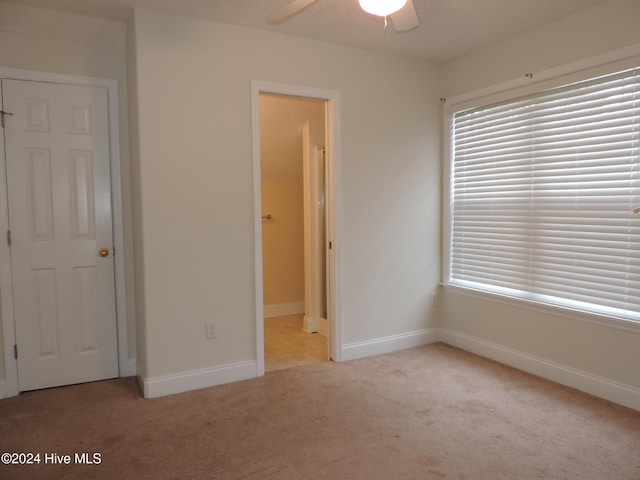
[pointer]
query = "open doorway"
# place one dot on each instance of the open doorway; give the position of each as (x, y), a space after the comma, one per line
(308, 294)
(293, 191)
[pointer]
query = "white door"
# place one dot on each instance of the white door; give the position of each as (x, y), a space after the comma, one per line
(59, 199)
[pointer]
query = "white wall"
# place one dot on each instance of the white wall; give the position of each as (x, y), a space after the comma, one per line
(136, 203)
(604, 354)
(596, 30)
(50, 41)
(194, 174)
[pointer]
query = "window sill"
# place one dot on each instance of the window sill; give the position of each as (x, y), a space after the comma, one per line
(556, 310)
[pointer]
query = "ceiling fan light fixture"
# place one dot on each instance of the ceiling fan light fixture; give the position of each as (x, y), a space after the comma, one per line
(382, 8)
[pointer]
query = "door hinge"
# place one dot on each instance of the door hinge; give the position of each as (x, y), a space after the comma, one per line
(2, 114)
(9, 237)
(330, 245)
(15, 351)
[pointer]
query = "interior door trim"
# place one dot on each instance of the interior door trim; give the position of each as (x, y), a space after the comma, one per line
(126, 365)
(332, 116)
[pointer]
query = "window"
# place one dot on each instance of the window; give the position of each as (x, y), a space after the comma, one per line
(543, 190)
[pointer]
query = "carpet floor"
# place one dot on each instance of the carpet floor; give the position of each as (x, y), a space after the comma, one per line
(433, 412)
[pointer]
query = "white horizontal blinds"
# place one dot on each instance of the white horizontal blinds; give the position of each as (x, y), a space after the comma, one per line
(543, 192)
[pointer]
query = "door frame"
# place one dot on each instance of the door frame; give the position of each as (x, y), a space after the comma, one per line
(332, 132)
(126, 366)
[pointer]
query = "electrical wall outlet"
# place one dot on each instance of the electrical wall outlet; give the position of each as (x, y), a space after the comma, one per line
(211, 329)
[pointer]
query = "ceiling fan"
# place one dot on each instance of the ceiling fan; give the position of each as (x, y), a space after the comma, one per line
(402, 12)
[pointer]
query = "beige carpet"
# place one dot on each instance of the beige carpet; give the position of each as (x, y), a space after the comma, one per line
(433, 412)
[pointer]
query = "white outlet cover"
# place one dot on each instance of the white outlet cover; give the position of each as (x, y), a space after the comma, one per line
(211, 330)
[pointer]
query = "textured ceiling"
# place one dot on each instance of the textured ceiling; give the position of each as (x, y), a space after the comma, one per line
(448, 29)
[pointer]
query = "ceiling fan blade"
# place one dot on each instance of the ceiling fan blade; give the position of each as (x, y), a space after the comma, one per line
(406, 18)
(288, 11)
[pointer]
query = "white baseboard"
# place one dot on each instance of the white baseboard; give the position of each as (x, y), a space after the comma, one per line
(310, 324)
(315, 325)
(600, 387)
(389, 344)
(282, 309)
(196, 379)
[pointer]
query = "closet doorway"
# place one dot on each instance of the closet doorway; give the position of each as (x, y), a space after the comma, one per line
(294, 240)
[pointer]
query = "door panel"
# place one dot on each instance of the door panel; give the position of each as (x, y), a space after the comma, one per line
(59, 198)
(39, 195)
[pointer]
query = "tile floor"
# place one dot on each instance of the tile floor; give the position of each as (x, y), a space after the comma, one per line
(286, 345)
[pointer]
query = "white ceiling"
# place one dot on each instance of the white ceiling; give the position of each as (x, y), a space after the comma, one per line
(448, 29)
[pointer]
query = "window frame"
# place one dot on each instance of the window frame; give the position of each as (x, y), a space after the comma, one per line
(528, 84)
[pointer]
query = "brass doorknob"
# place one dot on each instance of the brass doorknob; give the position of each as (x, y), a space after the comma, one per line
(103, 252)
